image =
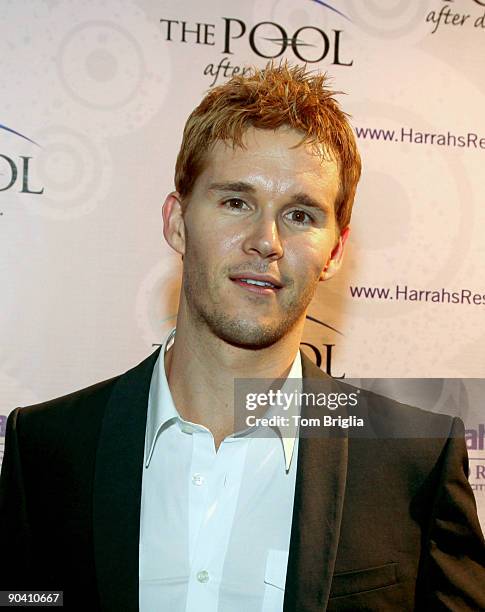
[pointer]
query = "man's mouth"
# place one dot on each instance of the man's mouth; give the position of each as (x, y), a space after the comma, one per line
(263, 286)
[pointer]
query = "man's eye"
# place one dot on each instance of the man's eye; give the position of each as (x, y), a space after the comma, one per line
(235, 204)
(300, 217)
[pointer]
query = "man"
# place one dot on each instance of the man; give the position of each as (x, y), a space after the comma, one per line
(143, 492)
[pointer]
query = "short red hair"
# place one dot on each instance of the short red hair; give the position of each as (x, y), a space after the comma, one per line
(270, 98)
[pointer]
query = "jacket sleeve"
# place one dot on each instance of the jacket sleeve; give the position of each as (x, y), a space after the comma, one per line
(14, 526)
(452, 574)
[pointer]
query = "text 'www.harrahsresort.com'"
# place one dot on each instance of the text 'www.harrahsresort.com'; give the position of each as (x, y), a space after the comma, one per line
(406, 293)
(409, 135)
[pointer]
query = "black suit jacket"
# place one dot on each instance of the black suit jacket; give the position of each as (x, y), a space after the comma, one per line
(379, 523)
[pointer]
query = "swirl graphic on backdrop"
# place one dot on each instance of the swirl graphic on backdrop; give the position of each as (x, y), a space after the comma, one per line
(390, 20)
(284, 12)
(75, 171)
(157, 301)
(101, 65)
(376, 183)
(330, 7)
(10, 130)
(307, 31)
(294, 15)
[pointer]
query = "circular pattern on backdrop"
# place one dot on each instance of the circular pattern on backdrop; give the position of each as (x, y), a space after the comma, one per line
(112, 67)
(386, 19)
(75, 172)
(403, 242)
(101, 65)
(390, 19)
(371, 237)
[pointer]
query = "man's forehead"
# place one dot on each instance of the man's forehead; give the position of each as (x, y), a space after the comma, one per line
(273, 157)
(258, 141)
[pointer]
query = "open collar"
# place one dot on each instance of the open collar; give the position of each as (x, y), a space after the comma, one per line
(162, 410)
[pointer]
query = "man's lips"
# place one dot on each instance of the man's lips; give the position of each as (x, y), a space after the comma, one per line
(263, 284)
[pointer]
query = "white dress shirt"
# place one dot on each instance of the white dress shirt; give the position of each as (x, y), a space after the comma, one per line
(214, 526)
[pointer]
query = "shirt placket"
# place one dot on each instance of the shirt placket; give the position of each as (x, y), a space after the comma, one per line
(214, 482)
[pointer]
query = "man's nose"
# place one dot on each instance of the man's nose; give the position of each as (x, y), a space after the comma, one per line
(263, 237)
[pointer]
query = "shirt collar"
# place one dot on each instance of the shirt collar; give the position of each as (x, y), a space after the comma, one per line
(162, 410)
(288, 433)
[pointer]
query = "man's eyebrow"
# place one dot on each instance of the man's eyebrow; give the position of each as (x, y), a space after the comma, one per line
(239, 186)
(303, 199)
(298, 199)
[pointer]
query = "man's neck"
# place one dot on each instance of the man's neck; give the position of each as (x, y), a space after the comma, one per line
(201, 369)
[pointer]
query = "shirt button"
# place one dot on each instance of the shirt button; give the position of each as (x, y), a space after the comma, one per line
(198, 480)
(203, 576)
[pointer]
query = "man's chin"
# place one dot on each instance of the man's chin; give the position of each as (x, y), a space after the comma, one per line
(248, 334)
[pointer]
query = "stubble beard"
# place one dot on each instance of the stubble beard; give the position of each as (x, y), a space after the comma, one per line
(242, 331)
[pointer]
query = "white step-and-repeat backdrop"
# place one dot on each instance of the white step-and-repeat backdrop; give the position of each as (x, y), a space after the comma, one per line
(94, 96)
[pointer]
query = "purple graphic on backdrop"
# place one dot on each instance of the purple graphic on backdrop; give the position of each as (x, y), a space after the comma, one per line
(17, 167)
(7, 129)
(327, 5)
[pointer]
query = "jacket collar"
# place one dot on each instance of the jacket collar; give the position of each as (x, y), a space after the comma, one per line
(117, 489)
(317, 509)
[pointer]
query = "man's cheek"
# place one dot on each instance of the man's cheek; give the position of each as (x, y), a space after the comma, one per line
(308, 261)
(229, 239)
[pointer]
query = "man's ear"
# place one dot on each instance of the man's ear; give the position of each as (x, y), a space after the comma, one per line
(173, 222)
(336, 256)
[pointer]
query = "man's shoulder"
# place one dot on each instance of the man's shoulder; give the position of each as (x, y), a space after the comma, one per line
(85, 403)
(60, 420)
(93, 394)
(385, 413)
(404, 438)
(402, 420)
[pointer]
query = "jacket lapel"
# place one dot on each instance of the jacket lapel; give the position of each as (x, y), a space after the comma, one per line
(117, 488)
(317, 512)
